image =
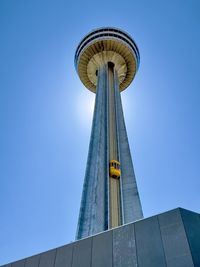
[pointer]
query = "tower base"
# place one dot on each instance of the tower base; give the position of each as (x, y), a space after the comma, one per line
(170, 239)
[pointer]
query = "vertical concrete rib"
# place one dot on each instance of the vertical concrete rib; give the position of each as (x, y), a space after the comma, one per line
(93, 211)
(132, 209)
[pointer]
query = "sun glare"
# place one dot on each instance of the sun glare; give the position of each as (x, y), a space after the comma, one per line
(85, 107)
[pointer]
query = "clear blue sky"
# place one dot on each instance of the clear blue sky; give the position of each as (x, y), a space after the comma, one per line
(46, 113)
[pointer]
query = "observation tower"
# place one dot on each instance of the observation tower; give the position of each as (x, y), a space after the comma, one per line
(106, 61)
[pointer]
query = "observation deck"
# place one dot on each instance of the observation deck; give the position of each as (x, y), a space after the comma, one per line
(105, 45)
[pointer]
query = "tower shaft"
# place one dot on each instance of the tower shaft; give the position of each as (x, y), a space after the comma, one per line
(108, 202)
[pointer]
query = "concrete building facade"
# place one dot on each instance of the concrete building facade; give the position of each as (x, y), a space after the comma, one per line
(170, 239)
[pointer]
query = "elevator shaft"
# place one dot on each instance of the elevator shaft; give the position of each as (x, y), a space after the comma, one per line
(114, 183)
